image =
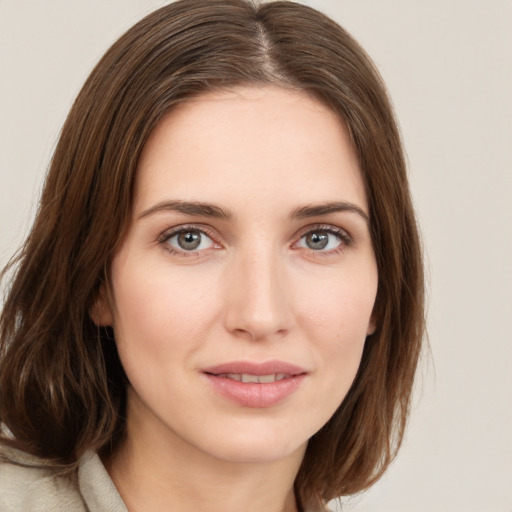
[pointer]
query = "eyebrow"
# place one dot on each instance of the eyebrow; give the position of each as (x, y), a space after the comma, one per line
(210, 210)
(316, 210)
(189, 208)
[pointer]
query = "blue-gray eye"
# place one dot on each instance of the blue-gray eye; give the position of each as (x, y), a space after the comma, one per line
(190, 240)
(320, 240)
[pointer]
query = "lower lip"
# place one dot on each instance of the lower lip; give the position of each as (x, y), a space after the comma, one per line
(254, 394)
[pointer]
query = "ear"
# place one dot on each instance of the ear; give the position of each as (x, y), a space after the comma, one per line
(372, 325)
(100, 311)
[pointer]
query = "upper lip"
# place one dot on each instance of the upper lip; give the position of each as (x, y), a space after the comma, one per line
(253, 368)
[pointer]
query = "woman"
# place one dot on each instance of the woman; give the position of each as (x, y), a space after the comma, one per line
(220, 303)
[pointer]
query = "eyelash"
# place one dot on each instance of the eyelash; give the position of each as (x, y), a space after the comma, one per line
(166, 236)
(343, 236)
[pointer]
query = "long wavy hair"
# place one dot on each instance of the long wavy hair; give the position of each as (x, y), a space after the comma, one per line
(62, 387)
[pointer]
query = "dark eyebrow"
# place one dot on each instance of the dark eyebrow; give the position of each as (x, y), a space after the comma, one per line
(316, 210)
(189, 208)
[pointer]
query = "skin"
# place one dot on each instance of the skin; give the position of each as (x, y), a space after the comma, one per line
(253, 290)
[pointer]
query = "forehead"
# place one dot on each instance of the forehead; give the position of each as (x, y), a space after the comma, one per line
(248, 140)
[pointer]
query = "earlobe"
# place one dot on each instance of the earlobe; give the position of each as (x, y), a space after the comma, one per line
(100, 311)
(372, 326)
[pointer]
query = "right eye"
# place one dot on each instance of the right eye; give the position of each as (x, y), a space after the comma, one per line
(187, 240)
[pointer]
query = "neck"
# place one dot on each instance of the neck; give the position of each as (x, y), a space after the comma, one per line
(164, 473)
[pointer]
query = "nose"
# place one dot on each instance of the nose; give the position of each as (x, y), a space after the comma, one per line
(257, 305)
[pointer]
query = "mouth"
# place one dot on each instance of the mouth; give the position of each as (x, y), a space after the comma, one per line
(256, 385)
(260, 379)
(274, 370)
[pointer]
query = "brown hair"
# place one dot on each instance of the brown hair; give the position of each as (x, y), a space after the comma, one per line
(62, 388)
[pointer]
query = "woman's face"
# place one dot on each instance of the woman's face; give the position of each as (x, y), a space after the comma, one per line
(245, 286)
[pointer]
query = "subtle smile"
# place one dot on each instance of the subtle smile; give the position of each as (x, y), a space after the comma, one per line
(261, 379)
(256, 385)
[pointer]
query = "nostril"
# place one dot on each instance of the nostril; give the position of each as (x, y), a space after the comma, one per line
(259, 308)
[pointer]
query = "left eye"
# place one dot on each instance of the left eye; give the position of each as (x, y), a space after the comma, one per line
(190, 240)
(320, 240)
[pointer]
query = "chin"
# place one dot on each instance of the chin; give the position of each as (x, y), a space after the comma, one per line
(257, 445)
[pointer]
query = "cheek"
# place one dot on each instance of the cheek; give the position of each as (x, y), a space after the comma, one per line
(341, 308)
(336, 319)
(156, 307)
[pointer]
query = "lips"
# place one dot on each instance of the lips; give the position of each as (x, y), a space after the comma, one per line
(256, 385)
(261, 379)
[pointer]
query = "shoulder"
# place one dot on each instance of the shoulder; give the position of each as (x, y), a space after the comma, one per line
(26, 484)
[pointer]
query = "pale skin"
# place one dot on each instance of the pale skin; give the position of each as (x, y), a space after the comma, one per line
(249, 241)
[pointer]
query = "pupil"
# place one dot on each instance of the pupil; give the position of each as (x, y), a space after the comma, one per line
(189, 240)
(317, 241)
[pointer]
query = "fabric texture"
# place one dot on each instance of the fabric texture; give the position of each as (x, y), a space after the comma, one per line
(32, 489)
(27, 488)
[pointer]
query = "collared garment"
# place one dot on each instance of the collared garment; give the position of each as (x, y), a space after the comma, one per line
(36, 489)
(30, 489)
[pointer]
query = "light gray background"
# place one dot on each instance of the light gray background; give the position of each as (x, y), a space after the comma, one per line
(448, 65)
